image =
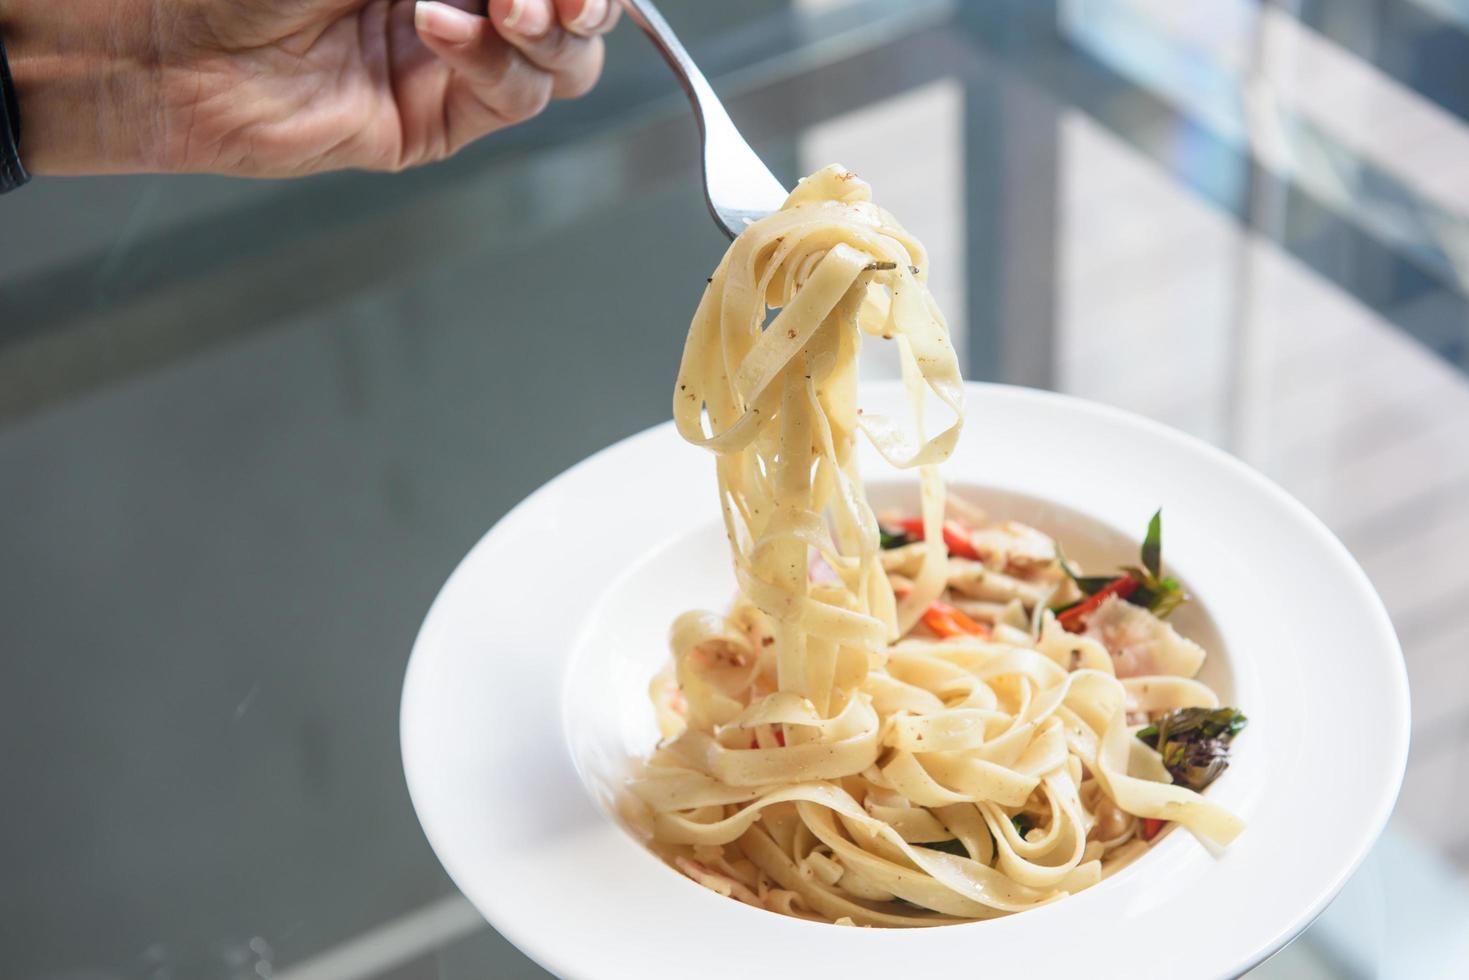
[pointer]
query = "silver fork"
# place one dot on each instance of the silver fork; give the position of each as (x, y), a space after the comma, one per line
(739, 187)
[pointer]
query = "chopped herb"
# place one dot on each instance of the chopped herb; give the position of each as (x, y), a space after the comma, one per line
(1092, 584)
(1152, 550)
(1023, 824)
(948, 847)
(1159, 596)
(893, 539)
(880, 266)
(1158, 593)
(1194, 743)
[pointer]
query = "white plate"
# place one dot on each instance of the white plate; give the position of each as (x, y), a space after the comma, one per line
(525, 696)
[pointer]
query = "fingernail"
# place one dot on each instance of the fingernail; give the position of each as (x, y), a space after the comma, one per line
(593, 12)
(444, 22)
(528, 18)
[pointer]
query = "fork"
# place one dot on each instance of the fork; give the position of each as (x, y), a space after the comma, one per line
(739, 187)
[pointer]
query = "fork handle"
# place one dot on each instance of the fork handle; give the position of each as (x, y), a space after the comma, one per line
(701, 94)
(738, 186)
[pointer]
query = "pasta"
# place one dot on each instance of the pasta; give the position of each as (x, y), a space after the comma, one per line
(912, 720)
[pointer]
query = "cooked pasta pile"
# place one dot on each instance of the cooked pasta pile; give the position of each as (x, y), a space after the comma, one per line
(909, 721)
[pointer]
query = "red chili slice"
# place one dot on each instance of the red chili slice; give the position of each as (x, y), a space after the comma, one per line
(1121, 587)
(956, 536)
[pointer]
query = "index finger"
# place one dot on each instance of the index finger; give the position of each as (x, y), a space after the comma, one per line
(532, 27)
(588, 17)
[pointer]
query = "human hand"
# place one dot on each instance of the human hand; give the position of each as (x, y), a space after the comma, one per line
(283, 88)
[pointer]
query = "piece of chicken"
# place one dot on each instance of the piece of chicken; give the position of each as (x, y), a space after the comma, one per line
(1141, 643)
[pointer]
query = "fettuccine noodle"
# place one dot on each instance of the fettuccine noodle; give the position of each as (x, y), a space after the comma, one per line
(829, 752)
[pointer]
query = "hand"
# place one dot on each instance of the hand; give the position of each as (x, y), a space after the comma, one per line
(282, 88)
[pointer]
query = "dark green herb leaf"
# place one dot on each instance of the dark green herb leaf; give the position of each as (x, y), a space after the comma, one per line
(1194, 742)
(1168, 599)
(1196, 764)
(1216, 723)
(1023, 824)
(1088, 584)
(1160, 596)
(948, 847)
(1153, 545)
(1092, 584)
(893, 539)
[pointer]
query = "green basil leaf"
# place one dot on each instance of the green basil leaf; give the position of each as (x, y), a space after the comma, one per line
(1092, 584)
(1194, 743)
(1169, 599)
(948, 847)
(893, 539)
(1152, 552)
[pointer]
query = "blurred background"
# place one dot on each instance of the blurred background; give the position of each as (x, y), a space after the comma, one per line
(247, 429)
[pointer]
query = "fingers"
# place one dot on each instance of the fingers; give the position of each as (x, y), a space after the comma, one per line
(502, 86)
(506, 66)
(588, 17)
(557, 38)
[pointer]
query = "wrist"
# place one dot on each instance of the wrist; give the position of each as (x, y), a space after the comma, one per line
(86, 78)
